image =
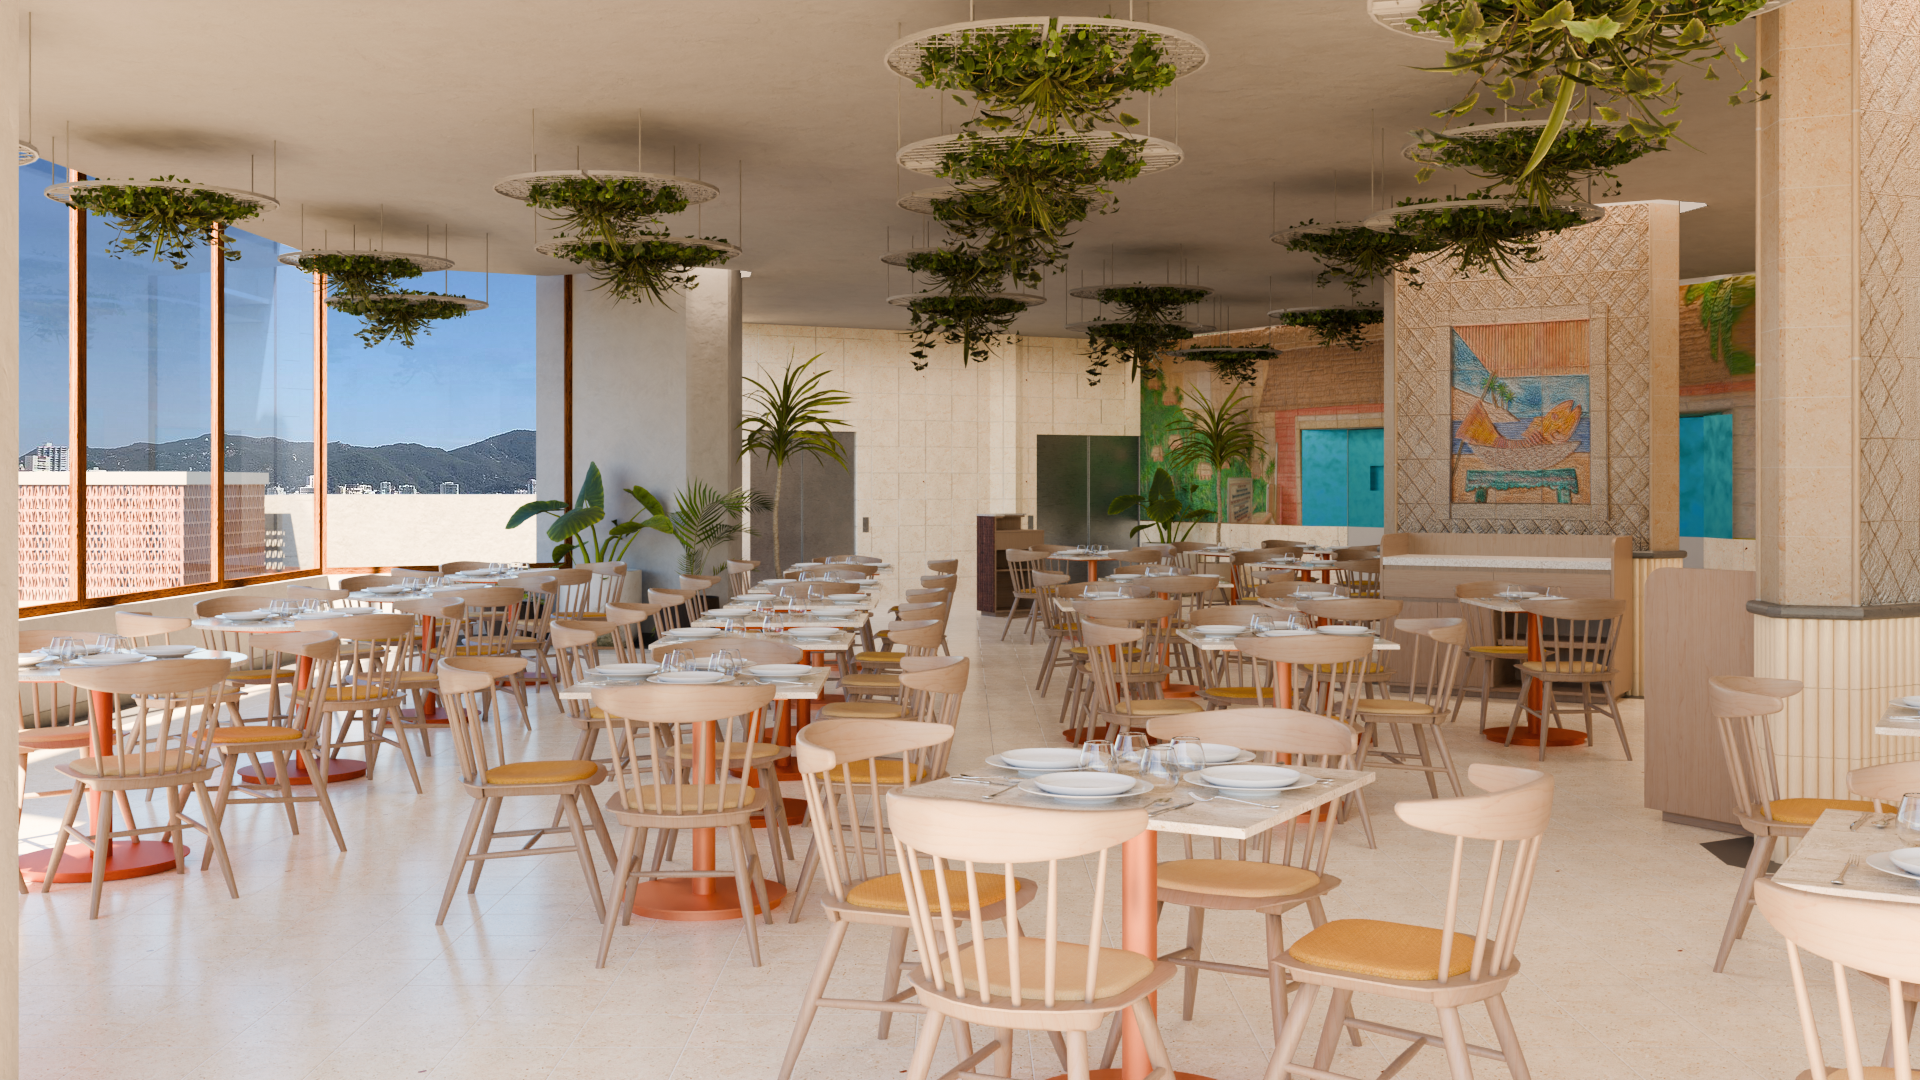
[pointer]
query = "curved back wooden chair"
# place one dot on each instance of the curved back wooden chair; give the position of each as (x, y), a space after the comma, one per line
(50, 716)
(576, 652)
(1370, 551)
(1742, 706)
(147, 629)
(1876, 939)
(1885, 785)
(1284, 869)
(672, 608)
(490, 623)
(160, 739)
(908, 637)
(944, 566)
(608, 585)
(1020, 567)
(456, 567)
(740, 575)
(571, 592)
(1440, 966)
(626, 624)
(1113, 678)
(698, 584)
(1577, 639)
(440, 619)
(326, 597)
(465, 685)
(1046, 982)
(260, 669)
(1493, 638)
(375, 653)
(722, 724)
(1373, 612)
(1231, 678)
(1360, 577)
(847, 767)
(367, 581)
(1431, 662)
(1060, 626)
(541, 594)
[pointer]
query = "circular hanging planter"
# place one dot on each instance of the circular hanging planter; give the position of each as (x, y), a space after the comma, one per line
(922, 201)
(522, 185)
(1025, 300)
(1139, 294)
(969, 320)
(363, 272)
(645, 268)
(606, 205)
(1582, 152)
(1239, 364)
(929, 156)
(1351, 251)
(1137, 345)
(400, 315)
(1333, 326)
(164, 218)
(1183, 51)
(1491, 233)
(28, 155)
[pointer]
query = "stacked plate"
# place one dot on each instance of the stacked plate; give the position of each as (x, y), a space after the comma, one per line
(1237, 778)
(1516, 594)
(28, 659)
(1220, 630)
(834, 612)
(1288, 632)
(112, 659)
(690, 632)
(1222, 754)
(691, 678)
(729, 612)
(166, 652)
(1037, 759)
(386, 590)
(1347, 631)
(812, 630)
(626, 671)
(781, 672)
(1085, 786)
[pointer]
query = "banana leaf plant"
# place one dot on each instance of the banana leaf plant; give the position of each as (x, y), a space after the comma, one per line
(576, 528)
(1160, 508)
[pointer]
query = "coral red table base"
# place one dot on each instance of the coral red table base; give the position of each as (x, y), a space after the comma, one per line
(1536, 701)
(338, 769)
(676, 899)
(129, 859)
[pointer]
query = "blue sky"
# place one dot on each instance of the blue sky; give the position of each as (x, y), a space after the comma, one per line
(465, 380)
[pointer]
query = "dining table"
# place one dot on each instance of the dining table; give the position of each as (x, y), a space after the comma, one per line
(1170, 810)
(125, 858)
(1092, 559)
(705, 899)
(1531, 734)
(1899, 719)
(1832, 859)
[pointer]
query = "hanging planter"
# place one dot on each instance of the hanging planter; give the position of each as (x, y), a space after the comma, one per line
(1150, 321)
(1482, 232)
(1333, 326)
(165, 218)
(605, 204)
(940, 155)
(1240, 364)
(363, 273)
(1357, 255)
(1584, 152)
(645, 268)
(28, 155)
(401, 316)
(970, 321)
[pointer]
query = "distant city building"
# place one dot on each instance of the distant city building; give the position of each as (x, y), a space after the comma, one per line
(356, 489)
(408, 489)
(449, 488)
(386, 487)
(533, 486)
(46, 457)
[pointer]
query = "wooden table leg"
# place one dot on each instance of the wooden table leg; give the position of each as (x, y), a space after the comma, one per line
(126, 858)
(1536, 702)
(702, 899)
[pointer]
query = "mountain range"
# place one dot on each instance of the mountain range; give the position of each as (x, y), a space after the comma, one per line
(500, 464)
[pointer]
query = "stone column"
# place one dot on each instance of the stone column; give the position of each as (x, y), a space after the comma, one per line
(1838, 477)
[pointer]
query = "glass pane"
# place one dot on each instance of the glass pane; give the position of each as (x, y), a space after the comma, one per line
(149, 518)
(269, 422)
(46, 527)
(430, 449)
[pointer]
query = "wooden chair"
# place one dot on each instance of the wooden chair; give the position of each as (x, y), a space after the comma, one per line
(944, 566)
(1015, 982)
(1112, 705)
(740, 575)
(327, 597)
(366, 581)
(301, 739)
(464, 687)
(50, 716)
(1372, 612)
(260, 669)
(698, 584)
(1348, 554)
(456, 567)
(1288, 868)
(576, 651)
(1740, 706)
(1229, 678)
(917, 637)
(608, 585)
(1328, 671)
(1438, 967)
(1577, 639)
(1020, 568)
(159, 740)
(1062, 629)
(715, 794)
(847, 767)
(1360, 577)
(1431, 661)
(673, 608)
(1885, 785)
(540, 595)
(1489, 645)
(440, 618)
(1868, 936)
(375, 650)
(626, 624)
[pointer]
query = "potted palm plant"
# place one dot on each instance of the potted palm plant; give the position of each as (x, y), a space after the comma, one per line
(1218, 436)
(794, 419)
(578, 526)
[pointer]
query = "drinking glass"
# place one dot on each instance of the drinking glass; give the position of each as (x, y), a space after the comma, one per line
(1161, 765)
(1258, 623)
(1097, 757)
(114, 643)
(62, 648)
(1128, 750)
(1189, 753)
(674, 660)
(727, 660)
(1907, 822)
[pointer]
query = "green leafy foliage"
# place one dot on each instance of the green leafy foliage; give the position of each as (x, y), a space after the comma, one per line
(794, 419)
(1337, 326)
(360, 274)
(1498, 236)
(649, 269)
(1019, 198)
(971, 322)
(1358, 256)
(1147, 324)
(576, 528)
(1042, 80)
(702, 518)
(1583, 152)
(604, 208)
(611, 225)
(1219, 436)
(1162, 509)
(1722, 302)
(1234, 365)
(166, 223)
(394, 315)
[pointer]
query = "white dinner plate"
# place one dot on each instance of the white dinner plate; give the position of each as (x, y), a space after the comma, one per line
(812, 631)
(1220, 630)
(806, 566)
(691, 678)
(1883, 862)
(1906, 859)
(1346, 631)
(1312, 594)
(1125, 577)
(1304, 782)
(1520, 595)
(1286, 633)
(1032, 787)
(386, 590)
(1222, 754)
(779, 581)
(728, 612)
(248, 616)
(167, 652)
(692, 632)
(1038, 759)
(780, 671)
(112, 659)
(834, 612)
(1096, 785)
(1909, 702)
(355, 611)
(1262, 777)
(625, 671)
(28, 659)
(330, 613)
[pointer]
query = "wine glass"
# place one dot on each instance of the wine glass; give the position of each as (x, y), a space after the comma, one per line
(1907, 822)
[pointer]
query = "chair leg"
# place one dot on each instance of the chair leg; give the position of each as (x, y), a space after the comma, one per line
(1196, 925)
(485, 845)
(1426, 762)
(622, 870)
(923, 1050)
(599, 823)
(1276, 976)
(460, 858)
(1150, 1035)
(219, 805)
(1510, 1041)
(829, 952)
(1330, 1029)
(1454, 1036)
(890, 973)
(572, 804)
(285, 785)
(60, 839)
(797, 896)
(1076, 1055)
(1743, 898)
(1446, 762)
(744, 890)
(318, 777)
(214, 838)
(102, 847)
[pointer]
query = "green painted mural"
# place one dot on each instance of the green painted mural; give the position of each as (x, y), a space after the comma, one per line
(1160, 421)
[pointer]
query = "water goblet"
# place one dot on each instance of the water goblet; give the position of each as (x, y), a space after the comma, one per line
(1906, 823)
(1097, 757)
(114, 643)
(1128, 749)
(1189, 753)
(674, 660)
(1159, 766)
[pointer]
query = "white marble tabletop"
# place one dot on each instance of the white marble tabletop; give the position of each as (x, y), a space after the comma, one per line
(1500, 562)
(1898, 719)
(1511, 607)
(1834, 851)
(269, 626)
(838, 642)
(799, 688)
(50, 672)
(1232, 644)
(1172, 809)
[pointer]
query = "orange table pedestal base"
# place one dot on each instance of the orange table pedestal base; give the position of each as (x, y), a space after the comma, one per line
(796, 813)
(1114, 1074)
(128, 859)
(338, 769)
(674, 899)
(1530, 736)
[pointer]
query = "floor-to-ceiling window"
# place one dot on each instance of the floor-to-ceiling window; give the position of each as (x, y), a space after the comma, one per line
(45, 536)
(269, 412)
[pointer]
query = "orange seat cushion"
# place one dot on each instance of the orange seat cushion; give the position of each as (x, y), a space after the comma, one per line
(1384, 950)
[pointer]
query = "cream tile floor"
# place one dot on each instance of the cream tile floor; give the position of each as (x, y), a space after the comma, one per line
(329, 965)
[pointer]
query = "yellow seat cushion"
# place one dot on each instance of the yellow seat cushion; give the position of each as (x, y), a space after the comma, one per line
(1498, 650)
(881, 681)
(889, 893)
(764, 753)
(527, 773)
(1373, 668)
(687, 799)
(358, 693)
(170, 761)
(1385, 950)
(1240, 693)
(256, 733)
(1808, 811)
(1163, 707)
(1564, 667)
(890, 773)
(1119, 970)
(1394, 707)
(879, 657)
(1236, 877)
(259, 675)
(862, 710)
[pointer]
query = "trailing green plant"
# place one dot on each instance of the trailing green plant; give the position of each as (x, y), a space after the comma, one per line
(394, 315)
(1337, 326)
(643, 269)
(1357, 255)
(971, 322)
(1147, 324)
(1218, 436)
(1722, 301)
(958, 269)
(1583, 153)
(163, 222)
(1151, 303)
(793, 420)
(576, 528)
(1039, 79)
(702, 518)
(1031, 186)
(359, 273)
(1235, 365)
(1497, 234)
(1619, 53)
(1160, 508)
(609, 209)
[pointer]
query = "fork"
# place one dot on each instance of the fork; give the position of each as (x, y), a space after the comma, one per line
(1841, 879)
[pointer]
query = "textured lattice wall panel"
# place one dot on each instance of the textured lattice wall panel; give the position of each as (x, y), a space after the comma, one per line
(1889, 196)
(1605, 267)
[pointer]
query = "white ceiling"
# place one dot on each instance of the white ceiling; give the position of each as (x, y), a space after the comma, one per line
(413, 108)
